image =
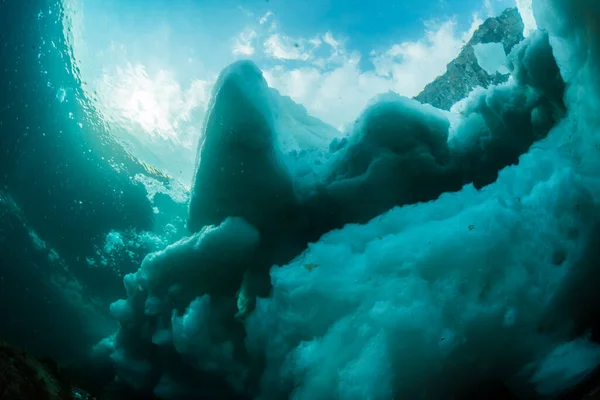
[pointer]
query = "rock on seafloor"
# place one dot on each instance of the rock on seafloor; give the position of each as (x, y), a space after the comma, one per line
(24, 377)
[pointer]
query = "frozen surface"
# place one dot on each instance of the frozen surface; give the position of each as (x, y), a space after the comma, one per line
(415, 257)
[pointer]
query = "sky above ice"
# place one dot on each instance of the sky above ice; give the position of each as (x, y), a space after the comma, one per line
(153, 62)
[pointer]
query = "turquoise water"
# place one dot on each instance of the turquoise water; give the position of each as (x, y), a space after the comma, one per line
(62, 169)
(223, 200)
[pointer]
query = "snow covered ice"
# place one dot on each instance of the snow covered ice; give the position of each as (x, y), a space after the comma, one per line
(416, 256)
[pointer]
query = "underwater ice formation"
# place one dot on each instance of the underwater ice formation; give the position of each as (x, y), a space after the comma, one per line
(397, 262)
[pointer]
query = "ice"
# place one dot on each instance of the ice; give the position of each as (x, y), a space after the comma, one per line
(566, 366)
(416, 256)
(238, 157)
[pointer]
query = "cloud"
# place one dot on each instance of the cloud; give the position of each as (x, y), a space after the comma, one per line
(242, 45)
(157, 103)
(329, 39)
(285, 48)
(526, 12)
(489, 8)
(158, 117)
(476, 21)
(411, 65)
(265, 18)
(246, 12)
(337, 87)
